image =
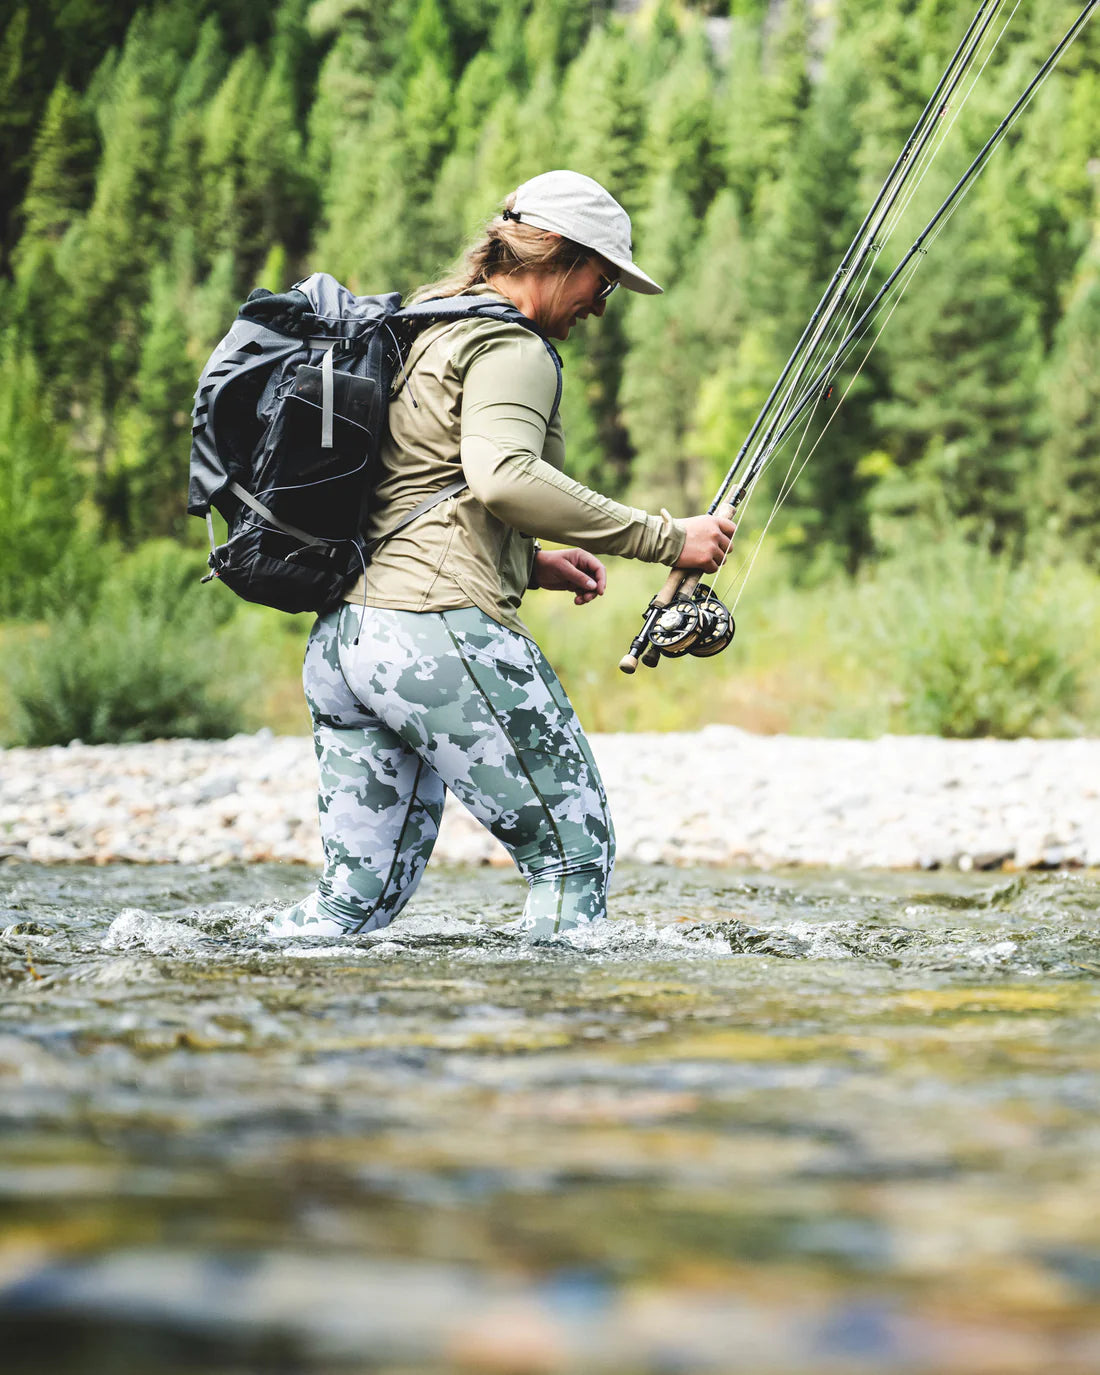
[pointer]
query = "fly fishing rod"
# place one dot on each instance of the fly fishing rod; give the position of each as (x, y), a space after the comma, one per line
(681, 617)
(685, 617)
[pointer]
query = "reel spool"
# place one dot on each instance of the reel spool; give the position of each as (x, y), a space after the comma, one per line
(677, 627)
(717, 629)
(699, 625)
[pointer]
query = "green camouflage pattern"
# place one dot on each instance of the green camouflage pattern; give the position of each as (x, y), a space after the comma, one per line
(406, 705)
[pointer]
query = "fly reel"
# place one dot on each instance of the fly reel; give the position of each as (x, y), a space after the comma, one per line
(699, 625)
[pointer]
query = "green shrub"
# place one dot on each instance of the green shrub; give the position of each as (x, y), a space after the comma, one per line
(973, 644)
(148, 660)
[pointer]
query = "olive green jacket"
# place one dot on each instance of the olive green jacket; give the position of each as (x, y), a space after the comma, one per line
(477, 403)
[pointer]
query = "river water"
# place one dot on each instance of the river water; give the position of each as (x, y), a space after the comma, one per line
(785, 1122)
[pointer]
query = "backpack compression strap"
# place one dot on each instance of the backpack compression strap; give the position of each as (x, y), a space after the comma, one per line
(421, 508)
(272, 519)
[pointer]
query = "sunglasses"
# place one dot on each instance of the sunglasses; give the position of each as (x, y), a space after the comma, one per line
(607, 286)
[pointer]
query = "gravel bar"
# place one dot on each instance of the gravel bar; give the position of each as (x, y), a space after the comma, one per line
(716, 796)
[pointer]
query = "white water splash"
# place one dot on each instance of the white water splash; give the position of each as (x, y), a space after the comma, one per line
(134, 929)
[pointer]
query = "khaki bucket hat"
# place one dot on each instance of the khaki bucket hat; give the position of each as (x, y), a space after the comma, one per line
(578, 208)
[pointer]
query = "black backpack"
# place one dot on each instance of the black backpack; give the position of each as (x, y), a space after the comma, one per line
(289, 416)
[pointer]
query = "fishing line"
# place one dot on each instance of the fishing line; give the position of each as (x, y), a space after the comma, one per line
(863, 242)
(902, 286)
(933, 228)
(788, 481)
(944, 131)
(789, 485)
(832, 299)
(824, 429)
(745, 565)
(916, 175)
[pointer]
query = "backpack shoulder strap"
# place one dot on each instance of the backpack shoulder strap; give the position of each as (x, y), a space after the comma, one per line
(421, 508)
(425, 313)
(478, 307)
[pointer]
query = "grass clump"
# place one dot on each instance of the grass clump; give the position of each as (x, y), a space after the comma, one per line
(147, 658)
(967, 643)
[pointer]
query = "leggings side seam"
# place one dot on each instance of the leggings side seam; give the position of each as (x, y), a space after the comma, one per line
(601, 791)
(399, 849)
(519, 760)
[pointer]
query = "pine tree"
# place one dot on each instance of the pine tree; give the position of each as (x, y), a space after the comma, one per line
(663, 362)
(901, 72)
(185, 190)
(507, 44)
(555, 32)
(785, 88)
(964, 353)
(278, 193)
(735, 370)
(56, 338)
(61, 178)
(740, 143)
(40, 489)
(141, 484)
(812, 215)
(106, 254)
(210, 303)
(603, 108)
(426, 124)
(1071, 386)
(21, 57)
(1043, 171)
(223, 221)
(681, 138)
(346, 85)
(478, 90)
(428, 38)
(537, 137)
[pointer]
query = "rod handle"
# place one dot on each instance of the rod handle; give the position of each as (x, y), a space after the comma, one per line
(671, 586)
(679, 583)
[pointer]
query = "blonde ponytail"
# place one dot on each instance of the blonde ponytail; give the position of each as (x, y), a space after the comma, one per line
(506, 247)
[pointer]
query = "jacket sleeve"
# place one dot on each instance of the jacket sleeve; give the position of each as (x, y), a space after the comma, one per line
(508, 387)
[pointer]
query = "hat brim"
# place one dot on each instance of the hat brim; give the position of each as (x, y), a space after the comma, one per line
(632, 277)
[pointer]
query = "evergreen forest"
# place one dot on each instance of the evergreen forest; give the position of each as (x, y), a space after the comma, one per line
(158, 162)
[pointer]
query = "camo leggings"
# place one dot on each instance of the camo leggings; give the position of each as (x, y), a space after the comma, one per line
(427, 701)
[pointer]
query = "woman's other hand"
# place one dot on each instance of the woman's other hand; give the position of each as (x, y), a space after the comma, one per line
(571, 570)
(707, 543)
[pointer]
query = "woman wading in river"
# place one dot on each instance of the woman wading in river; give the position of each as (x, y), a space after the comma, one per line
(426, 679)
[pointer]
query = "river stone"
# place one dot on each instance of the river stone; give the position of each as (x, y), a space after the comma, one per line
(717, 796)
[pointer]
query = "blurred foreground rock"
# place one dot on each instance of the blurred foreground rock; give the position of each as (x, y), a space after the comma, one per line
(718, 796)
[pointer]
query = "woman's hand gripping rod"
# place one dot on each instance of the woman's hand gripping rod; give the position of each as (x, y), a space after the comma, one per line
(684, 617)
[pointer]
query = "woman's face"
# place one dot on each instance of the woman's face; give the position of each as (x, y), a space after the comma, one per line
(570, 296)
